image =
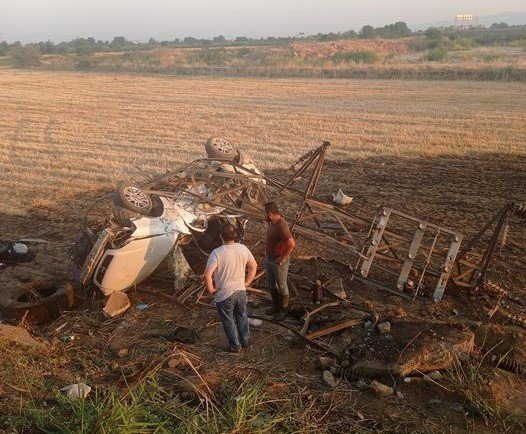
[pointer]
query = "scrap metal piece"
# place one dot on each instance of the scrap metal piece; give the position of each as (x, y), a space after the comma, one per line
(448, 268)
(374, 242)
(96, 253)
(411, 255)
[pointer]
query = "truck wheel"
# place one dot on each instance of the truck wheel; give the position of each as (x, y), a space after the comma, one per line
(219, 148)
(133, 198)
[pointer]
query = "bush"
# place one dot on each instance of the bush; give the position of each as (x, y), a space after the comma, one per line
(211, 56)
(242, 52)
(25, 56)
(463, 44)
(356, 57)
(437, 54)
(85, 62)
(433, 33)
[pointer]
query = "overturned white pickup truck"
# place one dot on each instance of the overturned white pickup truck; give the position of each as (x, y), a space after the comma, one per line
(181, 206)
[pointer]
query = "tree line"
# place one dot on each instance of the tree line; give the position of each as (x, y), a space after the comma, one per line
(29, 54)
(83, 46)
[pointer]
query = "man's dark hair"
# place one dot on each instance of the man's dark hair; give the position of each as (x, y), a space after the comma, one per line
(228, 233)
(272, 207)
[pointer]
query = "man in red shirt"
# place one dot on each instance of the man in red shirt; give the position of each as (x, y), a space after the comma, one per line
(280, 245)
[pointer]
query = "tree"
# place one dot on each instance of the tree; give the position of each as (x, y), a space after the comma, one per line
(368, 32)
(25, 56)
(47, 47)
(501, 25)
(396, 30)
(400, 29)
(4, 48)
(433, 33)
(219, 39)
(119, 41)
(190, 40)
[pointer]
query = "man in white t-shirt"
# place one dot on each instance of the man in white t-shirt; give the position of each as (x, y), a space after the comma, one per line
(230, 269)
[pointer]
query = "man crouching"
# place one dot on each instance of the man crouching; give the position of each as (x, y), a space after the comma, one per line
(228, 264)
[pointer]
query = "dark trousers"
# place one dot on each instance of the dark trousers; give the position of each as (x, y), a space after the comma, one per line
(277, 276)
(233, 315)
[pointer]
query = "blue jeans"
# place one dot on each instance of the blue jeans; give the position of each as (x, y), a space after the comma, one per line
(277, 276)
(233, 315)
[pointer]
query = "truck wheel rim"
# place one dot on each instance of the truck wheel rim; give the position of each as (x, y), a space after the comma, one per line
(136, 197)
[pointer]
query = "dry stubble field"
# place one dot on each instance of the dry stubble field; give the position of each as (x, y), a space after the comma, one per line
(64, 133)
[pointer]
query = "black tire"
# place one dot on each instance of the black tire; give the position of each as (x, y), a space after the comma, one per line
(219, 148)
(133, 198)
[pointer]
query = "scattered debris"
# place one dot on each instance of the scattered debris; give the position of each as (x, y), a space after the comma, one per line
(335, 328)
(37, 302)
(317, 293)
(335, 287)
(117, 304)
(328, 377)
(412, 379)
(123, 352)
(435, 375)
(416, 347)
(340, 198)
(255, 322)
(141, 307)
(368, 326)
(384, 327)
(381, 389)
(325, 362)
(12, 253)
(18, 335)
(76, 391)
(361, 384)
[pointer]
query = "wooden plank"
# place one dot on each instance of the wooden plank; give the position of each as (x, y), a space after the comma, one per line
(335, 328)
(308, 315)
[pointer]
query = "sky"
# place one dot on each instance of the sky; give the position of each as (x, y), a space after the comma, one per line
(138, 20)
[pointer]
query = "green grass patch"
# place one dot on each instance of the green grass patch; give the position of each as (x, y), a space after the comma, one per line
(5, 61)
(150, 408)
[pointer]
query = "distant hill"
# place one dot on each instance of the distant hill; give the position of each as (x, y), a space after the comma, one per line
(512, 18)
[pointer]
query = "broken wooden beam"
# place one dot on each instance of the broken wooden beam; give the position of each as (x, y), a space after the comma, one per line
(335, 328)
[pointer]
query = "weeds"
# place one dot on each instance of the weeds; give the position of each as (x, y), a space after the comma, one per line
(437, 54)
(150, 408)
(470, 380)
(369, 57)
